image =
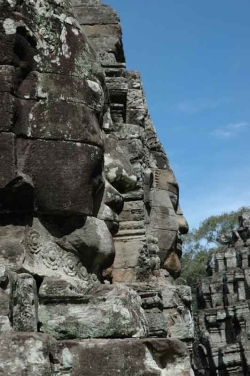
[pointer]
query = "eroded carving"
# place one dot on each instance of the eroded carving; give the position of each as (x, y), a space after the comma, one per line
(80, 155)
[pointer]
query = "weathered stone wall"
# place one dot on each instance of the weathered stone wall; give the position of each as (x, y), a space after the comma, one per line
(223, 321)
(148, 245)
(90, 220)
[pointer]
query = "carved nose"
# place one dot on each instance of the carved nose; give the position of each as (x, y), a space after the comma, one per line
(182, 222)
(112, 198)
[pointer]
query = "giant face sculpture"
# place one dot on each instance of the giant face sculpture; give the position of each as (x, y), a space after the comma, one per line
(119, 178)
(52, 149)
(165, 218)
(58, 205)
(152, 221)
(56, 101)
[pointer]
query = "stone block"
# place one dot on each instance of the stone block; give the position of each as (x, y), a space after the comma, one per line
(127, 253)
(111, 311)
(170, 296)
(166, 240)
(91, 15)
(58, 289)
(117, 85)
(7, 159)
(118, 169)
(19, 304)
(105, 30)
(163, 218)
(157, 323)
(149, 357)
(137, 194)
(134, 80)
(72, 56)
(131, 226)
(5, 300)
(55, 88)
(136, 100)
(133, 148)
(180, 323)
(124, 275)
(60, 120)
(217, 299)
(132, 211)
(164, 199)
(25, 354)
(5, 325)
(8, 107)
(12, 253)
(111, 44)
(8, 79)
(165, 179)
(158, 159)
(136, 116)
(129, 131)
(25, 303)
(65, 175)
(112, 67)
(7, 42)
(77, 3)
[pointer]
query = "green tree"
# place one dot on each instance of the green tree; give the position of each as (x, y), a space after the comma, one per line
(194, 267)
(199, 243)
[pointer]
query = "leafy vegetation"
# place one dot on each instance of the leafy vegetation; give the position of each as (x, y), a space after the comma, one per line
(199, 243)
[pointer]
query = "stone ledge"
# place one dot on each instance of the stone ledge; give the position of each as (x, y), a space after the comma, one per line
(40, 355)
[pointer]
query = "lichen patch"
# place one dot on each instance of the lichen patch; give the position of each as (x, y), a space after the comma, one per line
(9, 26)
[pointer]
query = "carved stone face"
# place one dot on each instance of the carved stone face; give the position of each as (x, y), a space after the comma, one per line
(166, 221)
(54, 97)
(53, 127)
(119, 178)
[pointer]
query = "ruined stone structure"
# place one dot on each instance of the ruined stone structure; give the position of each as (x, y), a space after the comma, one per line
(223, 321)
(90, 220)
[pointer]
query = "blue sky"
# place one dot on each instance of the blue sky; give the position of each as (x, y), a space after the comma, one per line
(194, 58)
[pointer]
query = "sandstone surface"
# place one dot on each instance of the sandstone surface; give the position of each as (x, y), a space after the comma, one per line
(90, 221)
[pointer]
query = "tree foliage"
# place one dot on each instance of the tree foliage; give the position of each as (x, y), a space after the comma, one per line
(200, 242)
(194, 267)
